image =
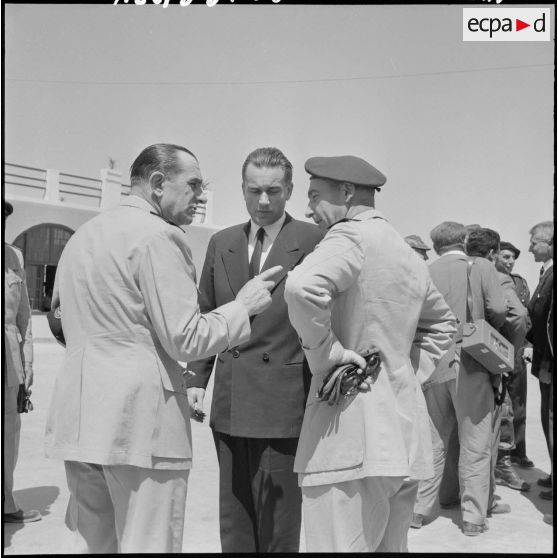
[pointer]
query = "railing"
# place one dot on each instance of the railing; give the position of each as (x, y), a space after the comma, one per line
(73, 188)
(19, 179)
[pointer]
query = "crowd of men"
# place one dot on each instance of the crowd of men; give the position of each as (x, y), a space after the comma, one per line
(284, 309)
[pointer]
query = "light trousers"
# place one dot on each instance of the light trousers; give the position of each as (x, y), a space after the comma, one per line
(465, 406)
(12, 428)
(121, 508)
(372, 514)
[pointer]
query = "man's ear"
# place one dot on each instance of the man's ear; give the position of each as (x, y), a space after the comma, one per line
(156, 180)
(348, 190)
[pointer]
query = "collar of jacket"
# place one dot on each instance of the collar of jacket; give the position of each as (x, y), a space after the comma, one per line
(140, 203)
(365, 215)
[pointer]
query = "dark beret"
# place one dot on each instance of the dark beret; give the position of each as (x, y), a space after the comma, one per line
(345, 168)
(509, 246)
(8, 208)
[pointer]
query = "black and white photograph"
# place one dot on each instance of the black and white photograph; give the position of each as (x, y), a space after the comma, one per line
(278, 277)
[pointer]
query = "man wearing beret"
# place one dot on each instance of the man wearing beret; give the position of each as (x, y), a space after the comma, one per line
(119, 415)
(359, 461)
(261, 385)
(418, 245)
(517, 384)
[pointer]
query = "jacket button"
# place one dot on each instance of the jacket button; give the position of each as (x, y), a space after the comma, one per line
(265, 357)
(236, 353)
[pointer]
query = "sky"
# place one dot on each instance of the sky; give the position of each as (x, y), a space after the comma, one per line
(463, 131)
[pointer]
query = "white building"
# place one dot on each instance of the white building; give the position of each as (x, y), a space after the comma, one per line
(49, 205)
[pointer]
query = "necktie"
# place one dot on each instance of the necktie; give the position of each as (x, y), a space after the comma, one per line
(541, 272)
(257, 254)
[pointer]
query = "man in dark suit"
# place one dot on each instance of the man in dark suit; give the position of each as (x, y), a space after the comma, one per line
(459, 394)
(260, 386)
(540, 310)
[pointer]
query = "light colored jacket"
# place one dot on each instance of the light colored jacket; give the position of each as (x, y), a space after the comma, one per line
(129, 303)
(363, 286)
(18, 340)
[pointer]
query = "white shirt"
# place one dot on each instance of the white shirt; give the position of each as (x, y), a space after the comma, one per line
(271, 232)
(546, 265)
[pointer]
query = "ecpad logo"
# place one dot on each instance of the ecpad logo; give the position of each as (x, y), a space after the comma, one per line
(506, 24)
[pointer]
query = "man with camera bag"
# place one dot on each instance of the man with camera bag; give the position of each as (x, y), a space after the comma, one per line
(459, 394)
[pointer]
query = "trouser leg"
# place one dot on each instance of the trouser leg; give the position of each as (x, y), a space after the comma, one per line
(149, 507)
(496, 431)
(12, 429)
(449, 487)
(352, 516)
(517, 389)
(90, 512)
(237, 513)
(442, 420)
(474, 404)
(399, 520)
(545, 405)
(277, 496)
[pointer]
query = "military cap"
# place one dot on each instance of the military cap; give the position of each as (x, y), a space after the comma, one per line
(345, 168)
(415, 241)
(8, 208)
(509, 246)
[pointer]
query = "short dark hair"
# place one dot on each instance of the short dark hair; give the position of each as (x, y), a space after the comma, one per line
(448, 234)
(160, 157)
(481, 241)
(269, 157)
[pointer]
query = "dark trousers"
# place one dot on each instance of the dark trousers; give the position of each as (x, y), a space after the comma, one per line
(517, 388)
(545, 410)
(259, 497)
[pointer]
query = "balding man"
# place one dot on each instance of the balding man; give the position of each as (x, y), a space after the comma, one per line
(119, 416)
(359, 460)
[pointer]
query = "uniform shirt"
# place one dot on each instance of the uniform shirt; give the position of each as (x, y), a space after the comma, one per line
(271, 232)
(17, 318)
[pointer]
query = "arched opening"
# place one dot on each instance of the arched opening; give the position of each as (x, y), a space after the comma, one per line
(42, 246)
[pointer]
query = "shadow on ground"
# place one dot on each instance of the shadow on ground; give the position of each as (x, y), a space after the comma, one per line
(531, 476)
(38, 498)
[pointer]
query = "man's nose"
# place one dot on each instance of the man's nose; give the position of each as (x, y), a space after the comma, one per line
(202, 198)
(308, 213)
(264, 199)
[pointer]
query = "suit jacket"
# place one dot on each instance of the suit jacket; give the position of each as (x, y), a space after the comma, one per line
(364, 286)
(18, 340)
(540, 310)
(127, 290)
(449, 273)
(260, 386)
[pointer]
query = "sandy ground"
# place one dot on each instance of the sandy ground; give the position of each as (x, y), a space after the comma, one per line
(40, 484)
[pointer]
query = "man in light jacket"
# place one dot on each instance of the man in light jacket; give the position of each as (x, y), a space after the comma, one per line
(119, 415)
(359, 461)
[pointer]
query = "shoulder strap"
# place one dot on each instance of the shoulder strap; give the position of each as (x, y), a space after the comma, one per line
(470, 262)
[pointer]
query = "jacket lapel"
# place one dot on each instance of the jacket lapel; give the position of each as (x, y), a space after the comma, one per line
(285, 251)
(235, 260)
(542, 281)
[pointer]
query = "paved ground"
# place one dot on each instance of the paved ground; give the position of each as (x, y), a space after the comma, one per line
(40, 484)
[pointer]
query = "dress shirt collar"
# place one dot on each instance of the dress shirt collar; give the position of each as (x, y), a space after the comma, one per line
(454, 253)
(546, 265)
(271, 231)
